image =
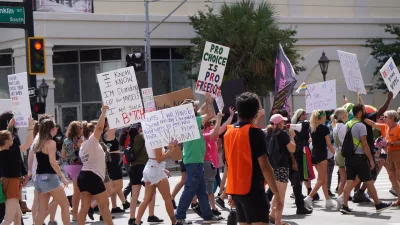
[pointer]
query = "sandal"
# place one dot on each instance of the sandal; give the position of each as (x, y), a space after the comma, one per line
(271, 220)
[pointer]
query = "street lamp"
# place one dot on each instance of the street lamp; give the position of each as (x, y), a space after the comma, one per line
(44, 88)
(323, 63)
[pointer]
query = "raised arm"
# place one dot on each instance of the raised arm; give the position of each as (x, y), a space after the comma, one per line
(372, 123)
(210, 109)
(161, 157)
(216, 131)
(359, 98)
(29, 138)
(100, 123)
(222, 129)
(385, 106)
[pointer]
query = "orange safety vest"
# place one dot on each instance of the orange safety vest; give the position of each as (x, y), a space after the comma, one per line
(238, 159)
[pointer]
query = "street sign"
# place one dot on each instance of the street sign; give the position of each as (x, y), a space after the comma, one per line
(31, 92)
(12, 14)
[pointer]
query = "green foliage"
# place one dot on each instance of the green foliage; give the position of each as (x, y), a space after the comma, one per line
(383, 51)
(252, 34)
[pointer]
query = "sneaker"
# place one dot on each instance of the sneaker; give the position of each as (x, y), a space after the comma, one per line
(131, 221)
(220, 203)
(316, 197)
(52, 223)
(96, 209)
(304, 211)
(383, 206)
(360, 197)
(174, 204)
(393, 192)
(216, 212)
(215, 219)
(345, 210)
(329, 204)
(292, 195)
(331, 194)
(69, 197)
(101, 218)
(183, 222)
(90, 213)
(340, 202)
(308, 202)
(197, 210)
(126, 205)
(154, 220)
(117, 210)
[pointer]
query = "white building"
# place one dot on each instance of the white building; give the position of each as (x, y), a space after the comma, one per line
(80, 45)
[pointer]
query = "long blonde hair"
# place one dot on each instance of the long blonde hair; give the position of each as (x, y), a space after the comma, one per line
(315, 119)
(45, 128)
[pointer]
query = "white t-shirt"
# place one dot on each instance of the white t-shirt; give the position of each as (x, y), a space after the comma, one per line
(93, 157)
(34, 164)
(340, 130)
(151, 153)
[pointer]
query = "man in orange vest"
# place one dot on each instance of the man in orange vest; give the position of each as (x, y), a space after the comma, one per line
(248, 164)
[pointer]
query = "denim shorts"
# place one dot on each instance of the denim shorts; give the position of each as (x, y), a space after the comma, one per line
(153, 172)
(45, 183)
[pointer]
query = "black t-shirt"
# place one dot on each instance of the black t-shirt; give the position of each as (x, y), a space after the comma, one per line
(257, 145)
(283, 140)
(11, 162)
(319, 143)
(370, 132)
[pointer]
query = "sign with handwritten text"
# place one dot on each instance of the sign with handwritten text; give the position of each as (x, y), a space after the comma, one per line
(391, 76)
(351, 72)
(19, 95)
(148, 100)
(212, 68)
(321, 96)
(178, 123)
(120, 92)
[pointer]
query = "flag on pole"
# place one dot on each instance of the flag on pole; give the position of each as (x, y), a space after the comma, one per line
(302, 87)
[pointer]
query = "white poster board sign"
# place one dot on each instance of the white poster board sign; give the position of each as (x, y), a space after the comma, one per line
(352, 72)
(148, 100)
(214, 60)
(220, 103)
(5, 105)
(19, 95)
(321, 96)
(178, 123)
(391, 76)
(120, 92)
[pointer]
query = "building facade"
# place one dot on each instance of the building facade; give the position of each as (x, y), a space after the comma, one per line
(80, 45)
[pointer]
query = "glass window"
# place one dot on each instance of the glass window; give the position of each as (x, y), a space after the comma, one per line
(91, 111)
(4, 72)
(89, 55)
(161, 78)
(90, 87)
(65, 57)
(176, 53)
(179, 80)
(111, 54)
(160, 53)
(6, 60)
(108, 66)
(66, 83)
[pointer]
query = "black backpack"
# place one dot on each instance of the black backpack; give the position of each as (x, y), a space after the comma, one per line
(272, 148)
(348, 148)
(129, 154)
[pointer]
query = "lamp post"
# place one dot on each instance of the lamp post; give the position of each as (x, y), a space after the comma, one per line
(44, 89)
(323, 63)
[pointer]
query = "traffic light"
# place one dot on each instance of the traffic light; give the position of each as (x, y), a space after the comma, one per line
(36, 55)
(136, 60)
(38, 108)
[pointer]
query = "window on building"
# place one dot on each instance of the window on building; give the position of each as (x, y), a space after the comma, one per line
(6, 68)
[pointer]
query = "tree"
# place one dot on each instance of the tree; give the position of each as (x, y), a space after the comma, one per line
(383, 51)
(252, 34)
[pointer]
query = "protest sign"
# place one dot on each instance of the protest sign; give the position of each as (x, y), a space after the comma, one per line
(321, 96)
(391, 76)
(351, 72)
(19, 94)
(120, 92)
(5, 105)
(220, 103)
(176, 123)
(212, 68)
(173, 99)
(148, 100)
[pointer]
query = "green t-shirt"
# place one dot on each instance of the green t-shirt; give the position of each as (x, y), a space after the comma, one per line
(2, 197)
(194, 151)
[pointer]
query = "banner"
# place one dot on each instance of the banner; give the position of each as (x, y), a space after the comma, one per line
(120, 92)
(70, 6)
(173, 99)
(284, 81)
(19, 95)
(212, 68)
(148, 100)
(176, 123)
(391, 76)
(351, 72)
(321, 95)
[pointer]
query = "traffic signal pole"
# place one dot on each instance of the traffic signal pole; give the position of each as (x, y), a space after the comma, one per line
(29, 32)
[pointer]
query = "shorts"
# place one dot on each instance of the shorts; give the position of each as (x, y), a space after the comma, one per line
(106, 178)
(393, 160)
(209, 173)
(358, 165)
(183, 167)
(252, 207)
(72, 171)
(339, 160)
(154, 172)
(90, 182)
(46, 183)
(316, 160)
(114, 168)
(281, 174)
(136, 174)
(12, 188)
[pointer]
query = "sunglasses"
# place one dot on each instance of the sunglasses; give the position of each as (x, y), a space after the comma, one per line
(213, 122)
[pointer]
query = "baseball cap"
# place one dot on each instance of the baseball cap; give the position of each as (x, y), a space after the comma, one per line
(277, 118)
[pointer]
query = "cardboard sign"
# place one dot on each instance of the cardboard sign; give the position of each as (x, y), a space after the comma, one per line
(321, 96)
(178, 123)
(19, 94)
(212, 68)
(391, 76)
(120, 92)
(5, 105)
(148, 100)
(173, 99)
(352, 72)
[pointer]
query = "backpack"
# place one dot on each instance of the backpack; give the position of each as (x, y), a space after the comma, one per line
(348, 148)
(129, 154)
(272, 148)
